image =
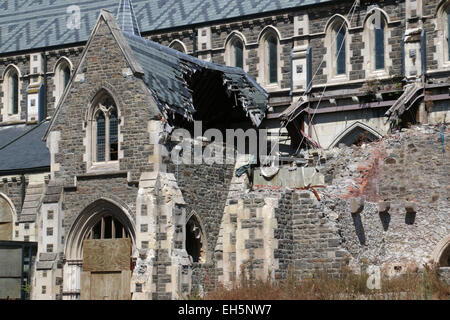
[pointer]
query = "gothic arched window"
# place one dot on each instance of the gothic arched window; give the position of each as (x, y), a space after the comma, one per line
(339, 53)
(234, 50)
(375, 44)
(272, 58)
(62, 77)
(238, 51)
(11, 90)
(105, 131)
(337, 49)
(379, 44)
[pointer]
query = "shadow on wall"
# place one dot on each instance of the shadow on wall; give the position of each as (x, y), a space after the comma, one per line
(410, 218)
(385, 218)
(359, 228)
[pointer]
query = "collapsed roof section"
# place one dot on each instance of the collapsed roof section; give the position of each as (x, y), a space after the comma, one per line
(193, 89)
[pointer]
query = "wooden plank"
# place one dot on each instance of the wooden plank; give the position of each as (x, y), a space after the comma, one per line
(106, 285)
(6, 230)
(10, 262)
(106, 255)
(125, 285)
(85, 293)
(5, 211)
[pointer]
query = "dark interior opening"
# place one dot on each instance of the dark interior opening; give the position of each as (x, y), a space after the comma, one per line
(215, 106)
(193, 239)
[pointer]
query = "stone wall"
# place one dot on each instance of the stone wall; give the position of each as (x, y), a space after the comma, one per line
(390, 199)
(103, 68)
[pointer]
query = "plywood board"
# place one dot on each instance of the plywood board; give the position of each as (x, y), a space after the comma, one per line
(10, 262)
(106, 286)
(106, 255)
(10, 287)
(6, 230)
(85, 293)
(5, 211)
(125, 286)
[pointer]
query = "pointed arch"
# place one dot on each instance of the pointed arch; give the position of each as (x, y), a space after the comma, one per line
(102, 128)
(376, 45)
(178, 45)
(196, 242)
(62, 73)
(443, 34)
(442, 6)
(88, 219)
(336, 19)
(7, 218)
(354, 133)
(234, 34)
(267, 30)
(374, 10)
(235, 50)
(269, 51)
(11, 93)
(441, 253)
(338, 48)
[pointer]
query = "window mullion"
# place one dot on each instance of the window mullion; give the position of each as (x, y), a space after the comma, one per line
(107, 146)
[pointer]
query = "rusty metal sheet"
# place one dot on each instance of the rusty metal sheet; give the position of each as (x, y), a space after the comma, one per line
(106, 255)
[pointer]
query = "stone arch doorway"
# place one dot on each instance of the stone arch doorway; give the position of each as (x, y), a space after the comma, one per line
(6, 219)
(99, 252)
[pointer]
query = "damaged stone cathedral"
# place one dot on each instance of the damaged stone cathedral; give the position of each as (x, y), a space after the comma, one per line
(356, 94)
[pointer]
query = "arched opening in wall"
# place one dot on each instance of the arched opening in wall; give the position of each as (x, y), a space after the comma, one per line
(357, 134)
(443, 32)
(11, 92)
(108, 227)
(63, 72)
(195, 241)
(99, 246)
(375, 37)
(103, 130)
(337, 44)
(444, 260)
(270, 52)
(235, 50)
(6, 220)
(177, 45)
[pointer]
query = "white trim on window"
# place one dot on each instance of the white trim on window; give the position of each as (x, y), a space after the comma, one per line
(264, 61)
(230, 42)
(7, 108)
(106, 105)
(59, 77)
(178, 45)
(335, 25)
(368, 52)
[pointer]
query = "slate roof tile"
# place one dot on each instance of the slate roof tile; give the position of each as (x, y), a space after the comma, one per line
(32, 24)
